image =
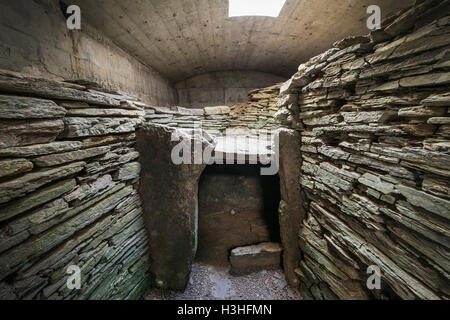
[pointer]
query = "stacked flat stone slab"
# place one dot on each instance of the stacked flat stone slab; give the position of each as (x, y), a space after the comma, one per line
(68, 192)
(374, 122)
(255, 116)
(253, 258)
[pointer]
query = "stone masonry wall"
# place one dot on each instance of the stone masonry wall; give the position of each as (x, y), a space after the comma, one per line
(373, 116)
(68, 192)
(258, 114)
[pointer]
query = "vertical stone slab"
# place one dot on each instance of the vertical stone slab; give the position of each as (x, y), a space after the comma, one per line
(291, 212)
(170, 201)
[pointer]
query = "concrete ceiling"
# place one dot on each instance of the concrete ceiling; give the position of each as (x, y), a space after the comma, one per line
(183, 38)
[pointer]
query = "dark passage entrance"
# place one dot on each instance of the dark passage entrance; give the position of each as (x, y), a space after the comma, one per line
(237, 207)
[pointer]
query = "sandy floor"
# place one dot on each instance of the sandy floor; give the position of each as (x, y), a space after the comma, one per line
(215, 283)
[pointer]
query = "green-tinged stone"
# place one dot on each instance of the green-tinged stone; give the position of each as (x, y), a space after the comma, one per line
(431, 79)
(36, 198)
(405, 285)
(12, 259)
(434, 204)
(12, 107)
(60, 158)
(41, 149)
(31, 181)
(129, 171)
(84, 127)
(16, 166)
(16, 133)
(376, 183)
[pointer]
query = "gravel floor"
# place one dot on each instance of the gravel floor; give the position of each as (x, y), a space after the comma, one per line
(216, 283)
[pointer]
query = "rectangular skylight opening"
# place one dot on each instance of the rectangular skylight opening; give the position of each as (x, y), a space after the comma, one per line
(265, 8)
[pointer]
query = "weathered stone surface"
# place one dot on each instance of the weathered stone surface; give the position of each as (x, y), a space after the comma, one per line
(376, 183)
(129, 171)
(433, 252)
(13, 167)
(419, 130)
(383, 142)
(407, 20)
(318, 249)
(404, 218)
(424, 39)
(22, 133)
(84, 127)
(372, 255)
(51, 89)
(99, 141)
(350, 41)
(420, 111)
(10, 260)
(35, 199)
(51, 214)
(328, 119)
(13, 107)
(383, 69)
(61, 158)
(426, 201)
(41, 149)
(344, 289)
(413, 154)
(31, 181)
(443, 131)
(439, 120)
(90, 190)
(170, 212)
(252, 258)
(287, 99)
(436, 186)
(7, 292)
(432, 79)
(216, 110)
(291, 211)
(368, 117)
(74, 105)
(107, 112)
(111, 160)
(437, 100)
(46, 218)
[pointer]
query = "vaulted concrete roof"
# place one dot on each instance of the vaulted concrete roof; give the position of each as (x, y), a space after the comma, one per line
(183, 38)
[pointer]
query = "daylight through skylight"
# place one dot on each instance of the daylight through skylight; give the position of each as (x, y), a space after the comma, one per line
(268, 8)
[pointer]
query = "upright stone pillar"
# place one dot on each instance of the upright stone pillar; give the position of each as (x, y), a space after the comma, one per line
(291, 212)
(170, 201)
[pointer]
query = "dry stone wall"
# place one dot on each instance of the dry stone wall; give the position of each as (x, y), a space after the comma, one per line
(68, 192)
(374, 122)
(255, 116)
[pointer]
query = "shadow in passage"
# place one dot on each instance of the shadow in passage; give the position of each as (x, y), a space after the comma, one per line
(237, 207)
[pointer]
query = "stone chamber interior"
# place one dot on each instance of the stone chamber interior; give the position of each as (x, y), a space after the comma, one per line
(93, 122)
(237, 207)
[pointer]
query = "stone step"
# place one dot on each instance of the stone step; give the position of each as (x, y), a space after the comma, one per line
(255, 257)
